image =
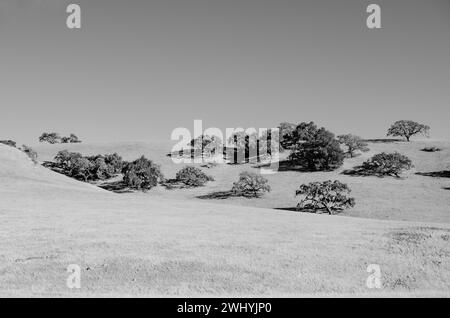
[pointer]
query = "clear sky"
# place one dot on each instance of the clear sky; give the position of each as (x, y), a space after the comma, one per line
(140, 68)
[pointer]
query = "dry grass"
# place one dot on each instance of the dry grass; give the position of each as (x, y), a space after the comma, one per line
(152, 245)
(413, 198)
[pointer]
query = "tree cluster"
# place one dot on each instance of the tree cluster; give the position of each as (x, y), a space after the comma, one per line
(55, 138)
(87, 168)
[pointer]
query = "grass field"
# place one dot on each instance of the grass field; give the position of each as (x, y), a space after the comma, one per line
(149, 244)
(413, 198)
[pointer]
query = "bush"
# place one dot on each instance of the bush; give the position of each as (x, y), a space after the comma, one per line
(74, 165)
(30, 153)
(286, 134)
(386, 164)
(64, 157)
(73, 139)
(316, 150)
(81, 169)
(54, 138)
(106, 166)
(8, 143)
(193, 177)
(51, 138)
(353, 143)
(331, 195)
(141, 174)
(250, 185)
(91, 168)
(431, 149)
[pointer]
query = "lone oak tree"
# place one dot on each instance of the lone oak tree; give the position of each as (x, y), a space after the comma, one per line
(407, 129)
(331, 195)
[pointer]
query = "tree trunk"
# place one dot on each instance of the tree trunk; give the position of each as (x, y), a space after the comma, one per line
(328, 209)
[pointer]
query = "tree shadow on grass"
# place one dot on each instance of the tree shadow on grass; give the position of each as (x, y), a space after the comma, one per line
(294, 209)
(435, 174)
(360, 171)
(173, 184)
(284, 165)
(117, 187)
(304, 210)
(218, 195)
(385, 140)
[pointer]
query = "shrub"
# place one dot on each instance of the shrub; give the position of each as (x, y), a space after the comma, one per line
(304, 132)
(115, 161)
(93, 168)
(141, 174)
(319, 152)
(74, 165)
(407, 129)
(193, 177)
(106, 166)
(353, 143)
(250, 185)
(73, 139)
(64, 157)
(386, 164)
(286, 134)
(81, 169)
(8, 143)
(331, 195)
(51, 138)
(54, 138)
(431, 149)
(30, 153)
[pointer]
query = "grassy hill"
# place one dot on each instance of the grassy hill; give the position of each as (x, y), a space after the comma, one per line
(413, 198)
(151, 245)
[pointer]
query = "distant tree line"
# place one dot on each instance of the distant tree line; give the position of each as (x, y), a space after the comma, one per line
(55, 138)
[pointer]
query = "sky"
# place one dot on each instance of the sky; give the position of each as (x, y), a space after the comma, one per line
(138, 69)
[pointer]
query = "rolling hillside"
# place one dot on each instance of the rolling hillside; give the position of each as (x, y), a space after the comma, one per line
(152, 245)
(416, 197)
